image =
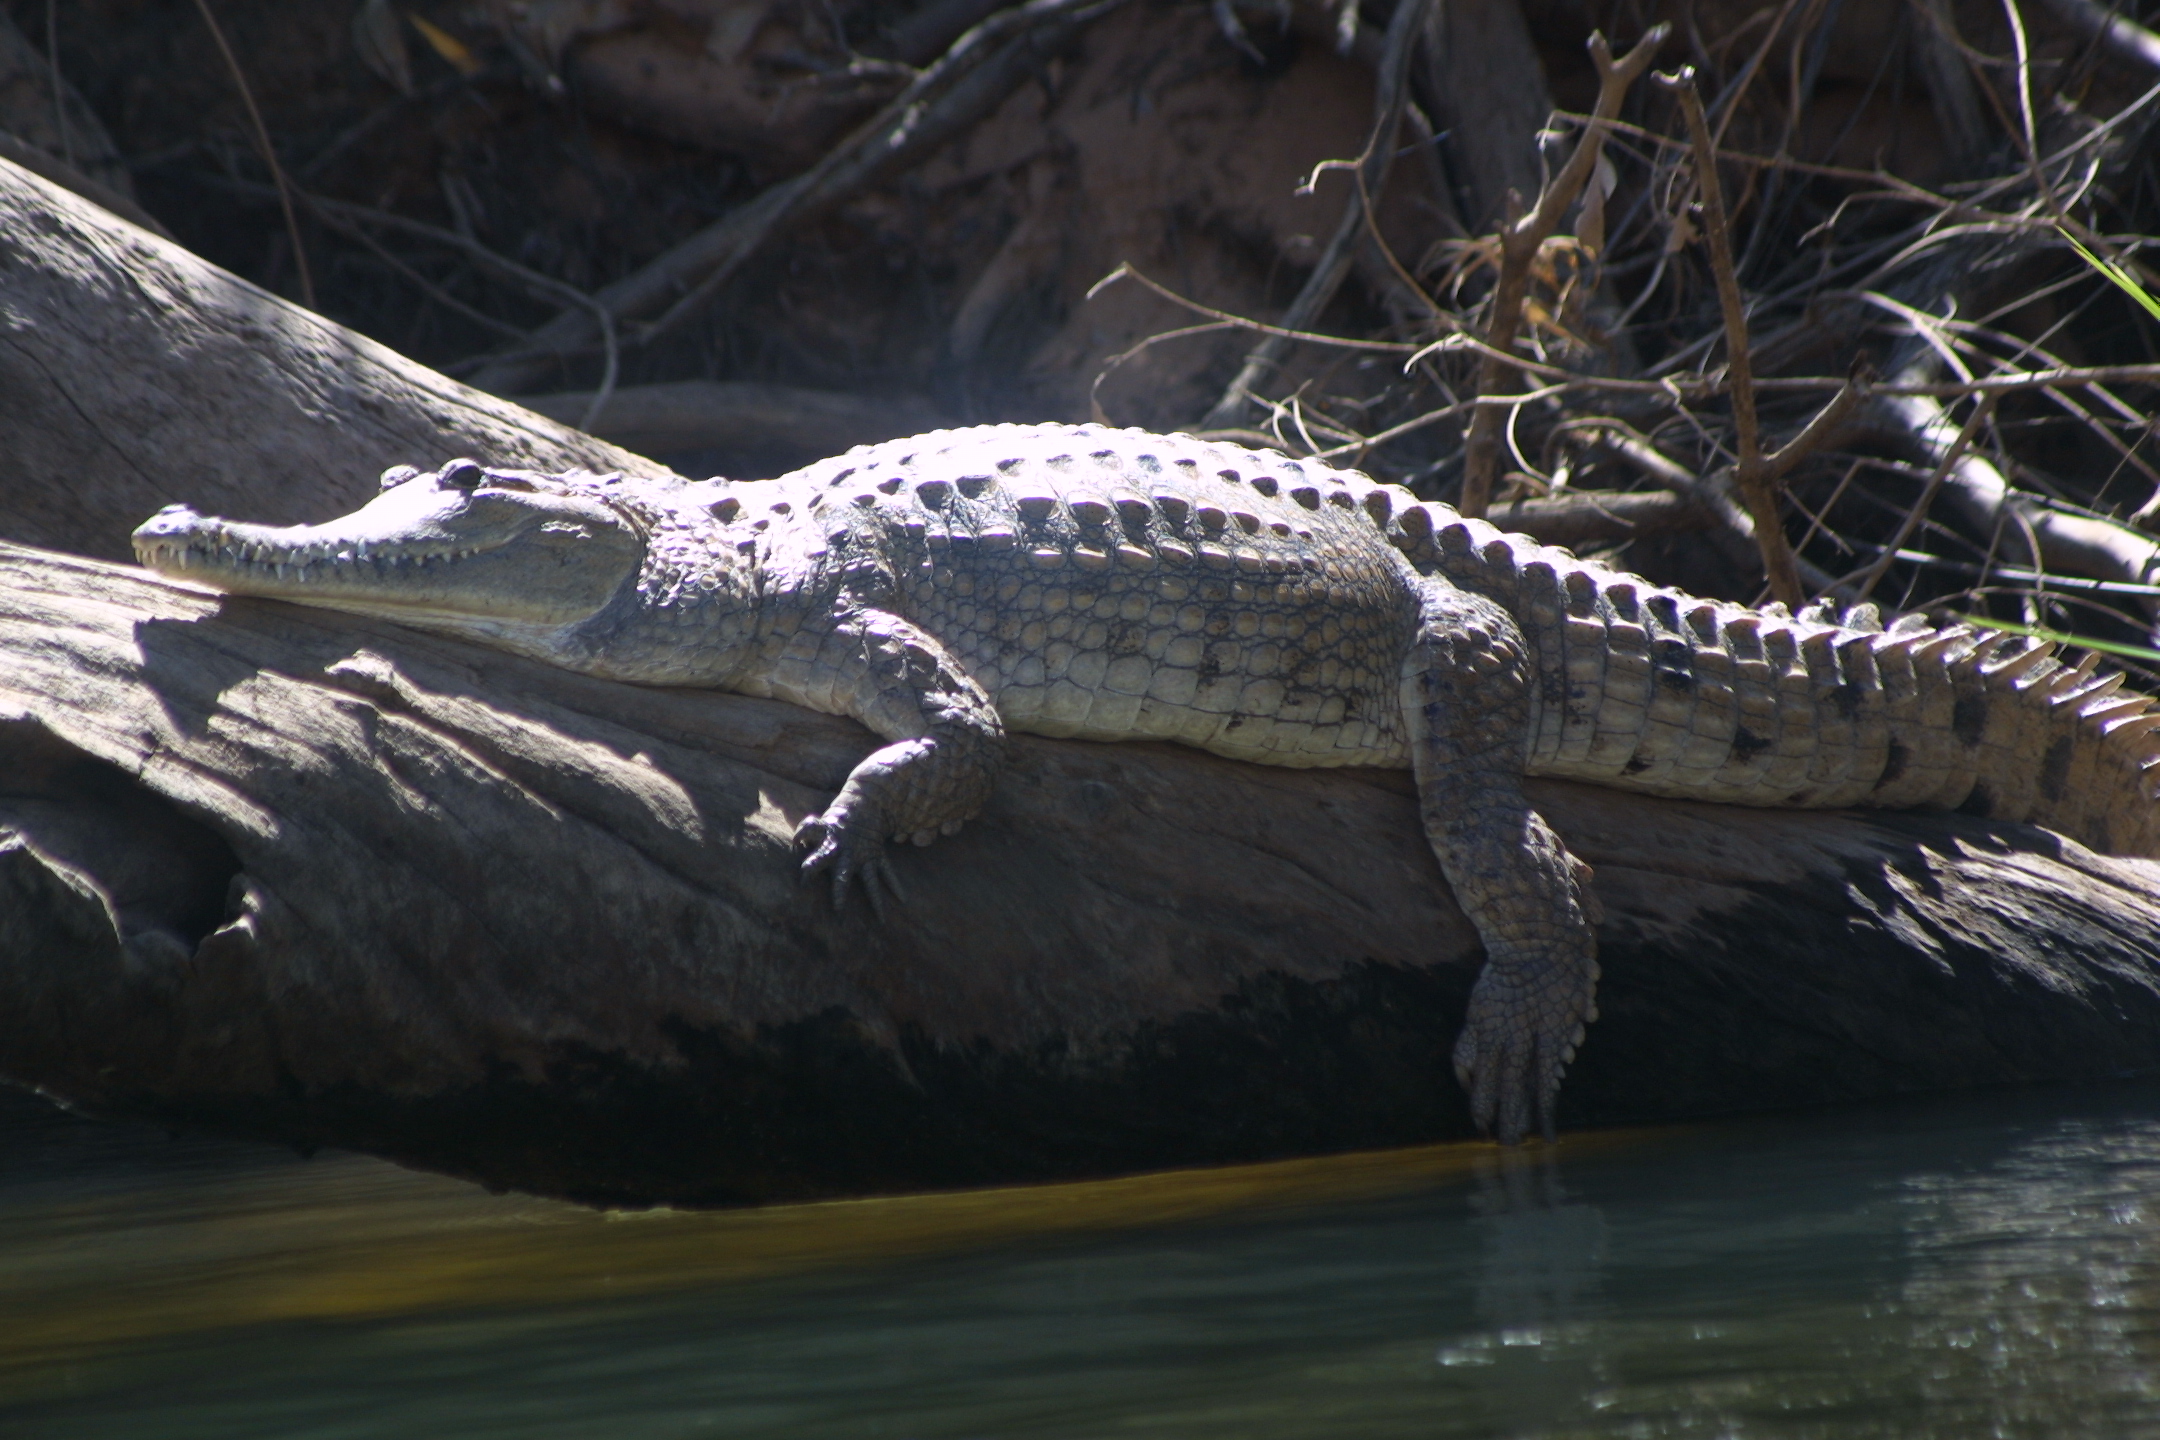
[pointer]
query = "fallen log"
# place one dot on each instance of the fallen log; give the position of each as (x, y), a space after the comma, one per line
(315, 878)
(137, 374)
(311, 877)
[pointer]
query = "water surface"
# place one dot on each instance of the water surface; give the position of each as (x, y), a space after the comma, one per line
(1984, 1266)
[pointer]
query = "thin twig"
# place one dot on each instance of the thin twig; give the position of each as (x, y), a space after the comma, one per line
(1867, 579)
(59, 90)
(1824, 429)
(1371, 169)
(1126, 271)
(341, 213)
(420, 282)
(269, 154)
(2125, 36)
(1521, 237)
(1756, 478)
(1717, 235)
(980, 69)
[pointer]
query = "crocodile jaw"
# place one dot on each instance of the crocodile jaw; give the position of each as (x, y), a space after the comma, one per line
(501, 558)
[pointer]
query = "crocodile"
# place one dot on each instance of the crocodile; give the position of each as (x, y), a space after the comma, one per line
(1102, 584)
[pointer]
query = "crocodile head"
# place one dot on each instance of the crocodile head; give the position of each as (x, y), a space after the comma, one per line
(501, 554)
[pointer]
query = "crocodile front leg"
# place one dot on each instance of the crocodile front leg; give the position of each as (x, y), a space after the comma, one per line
(1466, 701)
(947, 745)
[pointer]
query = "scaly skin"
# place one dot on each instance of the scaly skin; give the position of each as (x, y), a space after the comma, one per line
(1110, 585)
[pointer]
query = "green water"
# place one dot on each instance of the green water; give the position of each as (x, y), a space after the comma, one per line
(1980, 1267)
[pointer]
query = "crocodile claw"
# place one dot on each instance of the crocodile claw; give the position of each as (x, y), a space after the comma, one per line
(1515, 1045)
(852, 852)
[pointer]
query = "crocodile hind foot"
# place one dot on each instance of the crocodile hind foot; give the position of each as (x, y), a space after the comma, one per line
(1530, 1006)
(1466, 702)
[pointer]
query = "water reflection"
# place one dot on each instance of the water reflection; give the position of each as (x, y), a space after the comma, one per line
(1540, 1258)
(1983, 1267)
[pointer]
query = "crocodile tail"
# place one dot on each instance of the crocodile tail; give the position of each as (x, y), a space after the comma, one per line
(1655, 690)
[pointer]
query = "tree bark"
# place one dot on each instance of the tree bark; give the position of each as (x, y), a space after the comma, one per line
(1484, 87)
(312, 877)
(134, 375)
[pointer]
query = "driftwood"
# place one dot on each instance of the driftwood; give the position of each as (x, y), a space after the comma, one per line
(312, 877)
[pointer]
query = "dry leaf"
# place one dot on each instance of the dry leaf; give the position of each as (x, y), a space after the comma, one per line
(381, 42)
(1590, 224)
(448, 46)
(1683, 233)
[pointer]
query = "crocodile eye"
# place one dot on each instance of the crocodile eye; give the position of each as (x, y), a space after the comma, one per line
(397, 475)
(460, 474)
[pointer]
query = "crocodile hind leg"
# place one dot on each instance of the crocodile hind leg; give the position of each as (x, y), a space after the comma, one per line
(947, 744)
(1466, 702)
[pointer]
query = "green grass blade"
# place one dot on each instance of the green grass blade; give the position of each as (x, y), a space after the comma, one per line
(2063, 637)
(2116, 273)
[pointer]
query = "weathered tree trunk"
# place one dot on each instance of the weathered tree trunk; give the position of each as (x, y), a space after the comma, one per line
(133, 375)
(313, 877)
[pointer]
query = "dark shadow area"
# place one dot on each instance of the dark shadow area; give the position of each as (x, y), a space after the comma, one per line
(166, 876)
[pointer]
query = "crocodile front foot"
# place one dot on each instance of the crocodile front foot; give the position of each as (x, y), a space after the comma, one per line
(848, 842)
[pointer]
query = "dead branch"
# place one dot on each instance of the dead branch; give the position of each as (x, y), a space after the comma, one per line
(268, 150)
(1521, 237)
(1986, 501)
(1334, 265)
(1755, 474)
(212, 391)
(1729, 528)
(1579, 518)
(1865, 582)
(686, 415)
(980, 69)
(2119, 33)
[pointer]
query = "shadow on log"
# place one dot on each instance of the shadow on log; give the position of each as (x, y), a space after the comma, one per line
(311, 877)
